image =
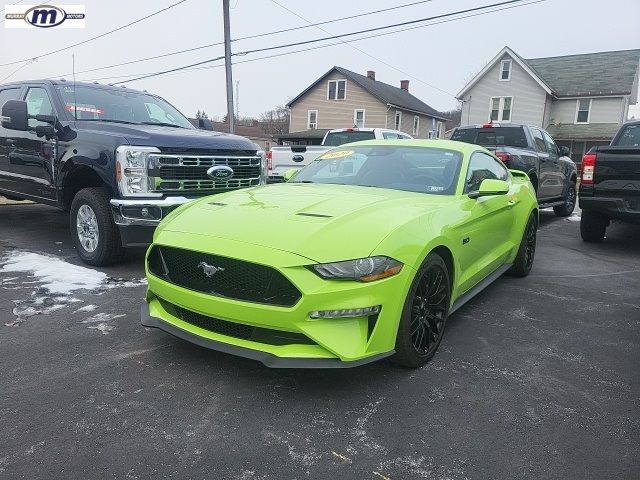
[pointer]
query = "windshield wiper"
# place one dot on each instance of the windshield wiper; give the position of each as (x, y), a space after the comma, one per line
(162, 124)
(113, 120)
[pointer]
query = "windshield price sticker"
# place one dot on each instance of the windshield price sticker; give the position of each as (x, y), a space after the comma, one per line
(337, 154)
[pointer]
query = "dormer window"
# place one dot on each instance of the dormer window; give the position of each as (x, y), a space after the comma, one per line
(505, 70)
(337, 90)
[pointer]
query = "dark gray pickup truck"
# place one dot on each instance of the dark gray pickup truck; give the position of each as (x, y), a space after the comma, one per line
(533, 151)
(610, 184)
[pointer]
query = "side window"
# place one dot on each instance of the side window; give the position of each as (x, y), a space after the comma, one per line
(482, 167)
(539, 140)
(389, 135)
(38, 103)
(8, 94)
(552, 148)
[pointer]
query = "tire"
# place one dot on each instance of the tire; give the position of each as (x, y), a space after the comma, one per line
(569, 204)
(425, 320)
(593, 226)
(90, 218)
(526, 252)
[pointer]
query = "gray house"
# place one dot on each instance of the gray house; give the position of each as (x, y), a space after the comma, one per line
(581, 100)
(342, 99)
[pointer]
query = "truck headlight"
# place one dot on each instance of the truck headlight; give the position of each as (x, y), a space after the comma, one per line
(132, 171)
(363, 269)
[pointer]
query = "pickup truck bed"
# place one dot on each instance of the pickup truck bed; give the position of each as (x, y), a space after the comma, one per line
(610, 186)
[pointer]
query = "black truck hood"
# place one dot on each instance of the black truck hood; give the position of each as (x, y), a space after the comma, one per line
(168, 139)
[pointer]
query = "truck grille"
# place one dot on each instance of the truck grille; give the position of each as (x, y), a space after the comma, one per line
(188, 173)
(227, 277)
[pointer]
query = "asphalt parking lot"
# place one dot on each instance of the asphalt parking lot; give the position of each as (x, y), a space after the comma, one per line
(536, 378)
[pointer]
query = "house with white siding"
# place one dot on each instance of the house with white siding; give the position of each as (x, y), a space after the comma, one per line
(581, 100)
(343, 99)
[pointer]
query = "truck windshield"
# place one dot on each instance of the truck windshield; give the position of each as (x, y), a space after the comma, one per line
(413, 169)
(335, 139)
(123, 106)
(630, 136)
(494, 136)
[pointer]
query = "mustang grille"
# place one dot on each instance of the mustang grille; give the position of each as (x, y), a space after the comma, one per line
(222, 276)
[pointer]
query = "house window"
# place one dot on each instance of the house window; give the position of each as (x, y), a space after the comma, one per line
(337, 90)
(312, 119)
(398, 121)
(416, 125)
(505, 70)
(358, 118)
(500, 110)
(583, 110)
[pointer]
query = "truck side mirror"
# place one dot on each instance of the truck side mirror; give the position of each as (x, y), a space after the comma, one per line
(564, 151)
(14, 115)
(205, 124)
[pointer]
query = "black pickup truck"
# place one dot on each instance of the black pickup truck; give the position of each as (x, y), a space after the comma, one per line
(118, 159)
(533, 151)
(610, 184)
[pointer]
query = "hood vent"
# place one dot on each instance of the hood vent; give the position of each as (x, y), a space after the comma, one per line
(319, 215)
(219, 204)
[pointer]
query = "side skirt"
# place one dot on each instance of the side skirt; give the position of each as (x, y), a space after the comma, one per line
(479, 287)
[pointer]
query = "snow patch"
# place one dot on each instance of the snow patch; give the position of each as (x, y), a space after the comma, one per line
(104, 328)
(86, 308)
(574, 218)
(102, 317)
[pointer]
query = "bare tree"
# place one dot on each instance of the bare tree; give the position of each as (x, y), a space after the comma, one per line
(454, 117)
(275, 121)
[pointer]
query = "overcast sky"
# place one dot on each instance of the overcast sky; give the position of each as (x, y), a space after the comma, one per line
(437, 59)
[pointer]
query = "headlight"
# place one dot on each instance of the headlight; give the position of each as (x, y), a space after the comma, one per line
(132, 174)
(364, 269)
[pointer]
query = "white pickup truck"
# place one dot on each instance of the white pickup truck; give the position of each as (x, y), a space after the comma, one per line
(281, 159)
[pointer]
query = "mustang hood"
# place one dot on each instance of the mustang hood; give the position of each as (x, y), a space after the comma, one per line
(310, 220)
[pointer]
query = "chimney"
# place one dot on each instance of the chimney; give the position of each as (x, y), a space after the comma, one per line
(404, 85)
(371, 74)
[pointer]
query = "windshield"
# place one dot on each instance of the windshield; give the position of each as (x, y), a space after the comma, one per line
(494, 136)
(413, 169)
(335, 139)
(102, 104)
(630, 136)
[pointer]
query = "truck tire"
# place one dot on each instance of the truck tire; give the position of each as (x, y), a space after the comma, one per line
(593, 226)
(95, 235)
(569, 204)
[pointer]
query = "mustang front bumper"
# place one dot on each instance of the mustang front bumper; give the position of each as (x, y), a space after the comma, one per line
(326, 342)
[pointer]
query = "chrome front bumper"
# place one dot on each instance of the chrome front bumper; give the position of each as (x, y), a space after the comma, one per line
(144, 211)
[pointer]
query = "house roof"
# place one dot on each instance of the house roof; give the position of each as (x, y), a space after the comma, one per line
(587, 74)
(387, 94)
(603, 73)
(591, 131)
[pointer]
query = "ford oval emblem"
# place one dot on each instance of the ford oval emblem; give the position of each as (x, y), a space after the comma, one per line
(297, 158)
(220, 173)
(45, 16)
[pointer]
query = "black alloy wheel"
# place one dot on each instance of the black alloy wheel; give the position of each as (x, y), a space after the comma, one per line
(429, 308)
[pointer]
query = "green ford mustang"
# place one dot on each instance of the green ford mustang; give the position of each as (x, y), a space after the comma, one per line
(361, 255)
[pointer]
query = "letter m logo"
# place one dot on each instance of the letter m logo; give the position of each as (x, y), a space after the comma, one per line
(42, 17)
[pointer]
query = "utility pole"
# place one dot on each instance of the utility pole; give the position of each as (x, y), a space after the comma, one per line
(237, 100)
(227, 64)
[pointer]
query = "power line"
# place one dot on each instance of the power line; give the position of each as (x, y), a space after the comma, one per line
(188, 68)
(14, 3)
(96, 37)
(28, 62)
(364, 52)
(259, 35)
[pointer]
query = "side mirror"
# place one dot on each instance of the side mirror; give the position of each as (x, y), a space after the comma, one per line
(564, 151)
(205, 124)
(15, 117)
(490, 187)
(289, 174)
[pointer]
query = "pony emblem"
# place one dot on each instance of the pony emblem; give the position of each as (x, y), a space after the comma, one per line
(209, 270)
